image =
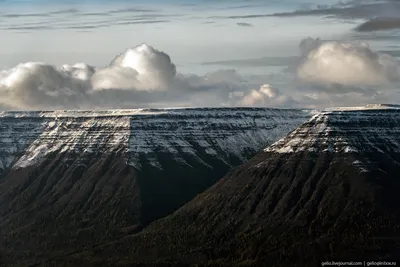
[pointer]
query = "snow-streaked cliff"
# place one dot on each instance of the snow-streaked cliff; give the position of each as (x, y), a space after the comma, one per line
(373, 128)
(29, 137)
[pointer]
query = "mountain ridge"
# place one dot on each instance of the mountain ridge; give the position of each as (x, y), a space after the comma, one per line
(78, 180)
(290, 208)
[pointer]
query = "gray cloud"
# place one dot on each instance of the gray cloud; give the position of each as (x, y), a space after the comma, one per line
(379, 24)
(46, 14)
(256, 62)
(344, 10)
(73, 26)
(242, 16)
(13, 15)
(372, 36)
(76, 19)
(323, 99)
(353, 10)
(244, 24)
(133, 10)
(393, 53)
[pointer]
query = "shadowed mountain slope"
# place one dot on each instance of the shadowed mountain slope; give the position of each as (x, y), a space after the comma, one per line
(328, 191)
(73, 179)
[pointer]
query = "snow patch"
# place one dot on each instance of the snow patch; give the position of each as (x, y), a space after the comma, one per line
(33, 157)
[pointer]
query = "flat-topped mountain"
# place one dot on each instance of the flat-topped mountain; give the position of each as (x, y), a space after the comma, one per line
(72, 179)
(328, 191)
(345, 131)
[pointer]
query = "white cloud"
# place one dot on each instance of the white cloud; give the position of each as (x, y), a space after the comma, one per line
(327, 74)
(153, 69)
(346, 64)
(141, 68)
(116, 78)
(34, 84)
(253, 98)
(266, 96)
(269, 91)
(37, 85)
(81, 71)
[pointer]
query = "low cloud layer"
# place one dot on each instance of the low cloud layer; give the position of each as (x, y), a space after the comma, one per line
(139, 77)
(324, 74)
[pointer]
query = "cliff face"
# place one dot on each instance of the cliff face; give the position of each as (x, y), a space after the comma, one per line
(238, 132)
(351, 131)
(71, 179)
(326, 191)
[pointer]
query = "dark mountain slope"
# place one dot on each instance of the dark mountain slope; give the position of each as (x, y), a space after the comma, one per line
(327, 191)
(86, 178)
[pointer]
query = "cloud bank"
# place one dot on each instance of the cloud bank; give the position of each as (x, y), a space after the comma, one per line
(139, 77)
(324, 74)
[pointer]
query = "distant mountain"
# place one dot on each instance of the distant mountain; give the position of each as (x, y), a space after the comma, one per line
(73, 179)
(328, 191)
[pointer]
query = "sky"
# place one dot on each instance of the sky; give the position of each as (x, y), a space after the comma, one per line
(98, 54)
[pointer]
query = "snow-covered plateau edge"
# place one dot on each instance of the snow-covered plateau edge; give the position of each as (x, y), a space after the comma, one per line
(373, 128)
(28, 137)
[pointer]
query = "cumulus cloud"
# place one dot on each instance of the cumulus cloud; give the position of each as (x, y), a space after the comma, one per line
(333, 73)
(67, 19)
(141, 68)
(139, 77)
(325, 74)
(36, 84)
(346, 64)
(81, 71)
(266, 96)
